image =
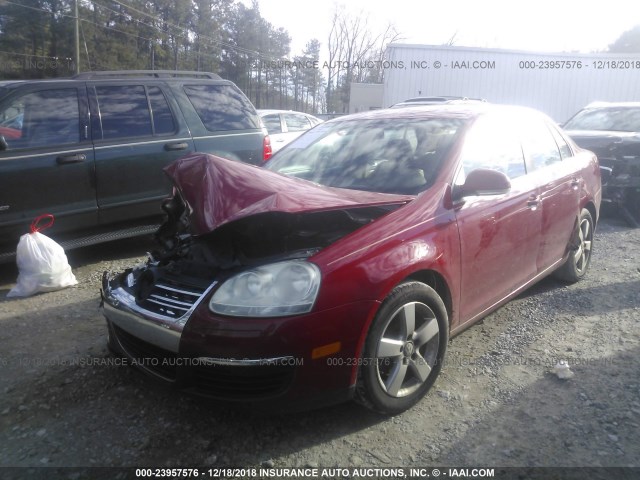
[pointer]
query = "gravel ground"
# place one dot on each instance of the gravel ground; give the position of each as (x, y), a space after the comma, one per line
(496, 402)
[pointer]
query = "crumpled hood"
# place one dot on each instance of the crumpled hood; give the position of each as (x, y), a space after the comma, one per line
(221, 191)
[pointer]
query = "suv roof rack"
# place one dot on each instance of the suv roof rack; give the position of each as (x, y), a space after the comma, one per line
(147, 73)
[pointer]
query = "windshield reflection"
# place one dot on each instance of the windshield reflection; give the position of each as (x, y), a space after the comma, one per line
(388, 155)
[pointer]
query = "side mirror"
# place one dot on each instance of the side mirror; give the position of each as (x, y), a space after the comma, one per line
(483, 181)
(3, 144)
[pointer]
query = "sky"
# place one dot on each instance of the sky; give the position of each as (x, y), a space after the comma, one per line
(542, 25)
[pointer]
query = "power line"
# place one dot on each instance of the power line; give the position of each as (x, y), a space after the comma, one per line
(184, 33)
(38, 9)
(33, 55)
(183, 30)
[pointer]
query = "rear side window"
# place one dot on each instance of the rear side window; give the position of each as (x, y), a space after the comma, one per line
(222, 107)
(163, 122)
(41, 119)
(124, 111)
(272, 123)
(539, 146)
(565, 150)
(296, 123)
(133, 111)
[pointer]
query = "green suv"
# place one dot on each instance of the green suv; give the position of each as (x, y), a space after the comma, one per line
(91, 149)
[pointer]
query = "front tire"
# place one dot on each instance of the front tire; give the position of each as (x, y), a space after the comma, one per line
(579, 259)
(404, 349)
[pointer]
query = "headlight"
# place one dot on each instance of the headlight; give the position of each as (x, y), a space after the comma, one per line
(286, 288)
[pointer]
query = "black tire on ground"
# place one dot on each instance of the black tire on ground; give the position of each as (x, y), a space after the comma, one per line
(579, 259)
(404, 349)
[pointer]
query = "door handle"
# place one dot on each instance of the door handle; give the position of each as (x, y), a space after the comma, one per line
(169, 147)
(575, 184)
(74, 158)
(533, 201)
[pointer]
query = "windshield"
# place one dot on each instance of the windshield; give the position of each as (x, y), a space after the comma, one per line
(390, 155)
(619, 119)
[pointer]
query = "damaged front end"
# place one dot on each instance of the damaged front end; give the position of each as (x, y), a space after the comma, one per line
(242, 252)
(619, 155)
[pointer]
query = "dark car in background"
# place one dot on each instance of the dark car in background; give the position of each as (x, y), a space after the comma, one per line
(612, 132)
(342, 268)
(91, 149)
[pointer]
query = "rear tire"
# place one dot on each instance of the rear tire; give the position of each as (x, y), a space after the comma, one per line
(576, 266)
(404, 349)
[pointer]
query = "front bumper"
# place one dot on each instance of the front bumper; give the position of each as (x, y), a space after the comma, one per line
(240, 359)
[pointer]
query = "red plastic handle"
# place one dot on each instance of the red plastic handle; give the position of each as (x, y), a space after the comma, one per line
(35, 227)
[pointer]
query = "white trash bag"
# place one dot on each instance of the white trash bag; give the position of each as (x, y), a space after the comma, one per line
(42, 263)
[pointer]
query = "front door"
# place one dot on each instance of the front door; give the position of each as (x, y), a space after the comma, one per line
(499, 234)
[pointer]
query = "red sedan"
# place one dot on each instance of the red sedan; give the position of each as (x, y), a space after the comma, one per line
(342, 268)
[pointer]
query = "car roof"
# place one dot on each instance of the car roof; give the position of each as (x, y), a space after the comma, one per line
(268, 111)
(15, 83)
(446, 110)
(439, 100)
(612, 104)
(115, 75)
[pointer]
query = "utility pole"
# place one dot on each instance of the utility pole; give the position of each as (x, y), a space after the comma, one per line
(77, 36)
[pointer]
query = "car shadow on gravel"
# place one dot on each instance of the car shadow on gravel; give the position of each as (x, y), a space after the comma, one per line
(591, 419)
(143, 423)
(117, 250)
(69, 401)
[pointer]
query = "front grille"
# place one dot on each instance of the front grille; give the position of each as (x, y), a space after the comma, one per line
(242, 382)
(170, 298)
(155, 359)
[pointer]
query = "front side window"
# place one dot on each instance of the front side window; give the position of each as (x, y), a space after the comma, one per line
(494, 145)
(388, 155)
(222, 107)
(41, 119)
(124, 111)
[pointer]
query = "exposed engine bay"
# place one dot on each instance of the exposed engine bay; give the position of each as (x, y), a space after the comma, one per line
(226, 217)
(261, 238)
(186, 265)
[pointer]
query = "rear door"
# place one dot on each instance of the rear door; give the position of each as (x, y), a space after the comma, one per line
(499, 234)
(552, 169)
(138, 130)
(47, 164)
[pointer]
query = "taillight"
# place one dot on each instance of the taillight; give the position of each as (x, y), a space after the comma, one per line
(266, 148)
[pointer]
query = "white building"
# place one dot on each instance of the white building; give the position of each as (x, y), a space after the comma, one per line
(365, 96)
(559, 84)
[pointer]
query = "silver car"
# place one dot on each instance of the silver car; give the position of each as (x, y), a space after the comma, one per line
(285, 126)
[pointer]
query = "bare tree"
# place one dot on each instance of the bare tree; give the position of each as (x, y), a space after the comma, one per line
(374, 73)
(355, 54)
(334, 44)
